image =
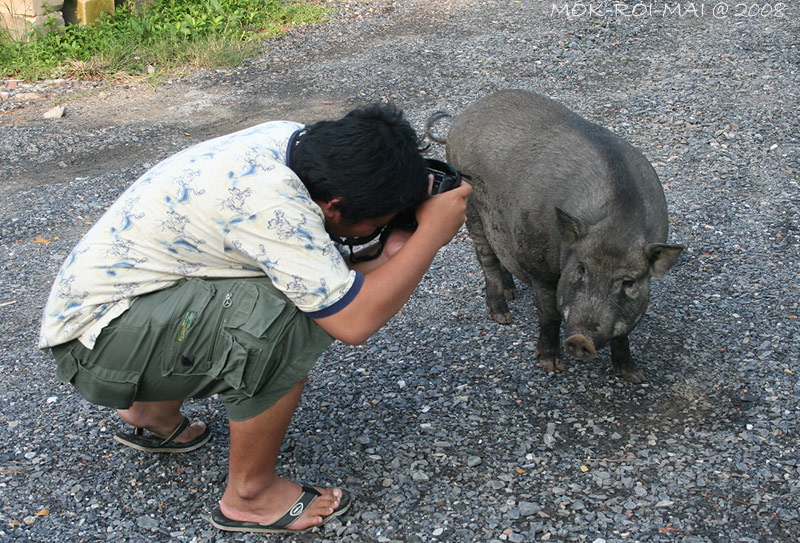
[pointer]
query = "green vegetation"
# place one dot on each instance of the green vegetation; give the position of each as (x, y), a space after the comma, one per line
(161, 37)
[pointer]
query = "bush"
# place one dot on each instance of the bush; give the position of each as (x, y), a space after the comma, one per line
(167, 35)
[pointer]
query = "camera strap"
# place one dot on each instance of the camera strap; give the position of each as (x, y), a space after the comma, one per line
(381, 233)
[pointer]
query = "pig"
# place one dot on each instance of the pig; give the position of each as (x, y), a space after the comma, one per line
(571, 210)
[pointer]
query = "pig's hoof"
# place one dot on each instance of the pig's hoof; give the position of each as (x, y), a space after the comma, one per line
(510, 293)
(632, 376)
(553, 364)
(501, 318)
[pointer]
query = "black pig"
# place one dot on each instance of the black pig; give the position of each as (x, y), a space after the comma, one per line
(571, 210)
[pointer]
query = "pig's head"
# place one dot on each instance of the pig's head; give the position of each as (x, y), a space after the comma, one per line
(604, 287)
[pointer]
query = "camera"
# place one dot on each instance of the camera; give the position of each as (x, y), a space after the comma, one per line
(445, 176)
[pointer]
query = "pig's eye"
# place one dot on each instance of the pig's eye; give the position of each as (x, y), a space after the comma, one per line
(580, 271)
(629, 287)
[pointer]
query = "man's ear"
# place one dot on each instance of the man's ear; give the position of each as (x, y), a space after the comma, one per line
(329, 209)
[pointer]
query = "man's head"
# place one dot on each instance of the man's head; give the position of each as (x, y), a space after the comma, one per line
(367, 163)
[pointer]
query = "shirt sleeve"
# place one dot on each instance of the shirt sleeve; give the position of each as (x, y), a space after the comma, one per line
(343, 302)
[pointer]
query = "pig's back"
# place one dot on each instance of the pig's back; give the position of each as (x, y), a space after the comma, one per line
(528, 154)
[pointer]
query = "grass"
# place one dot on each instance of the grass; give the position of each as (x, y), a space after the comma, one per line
(160, 37)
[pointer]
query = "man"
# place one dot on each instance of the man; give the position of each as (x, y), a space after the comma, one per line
(215, 273)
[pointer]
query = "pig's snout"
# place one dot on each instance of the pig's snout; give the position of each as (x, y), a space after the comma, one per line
(580, 346)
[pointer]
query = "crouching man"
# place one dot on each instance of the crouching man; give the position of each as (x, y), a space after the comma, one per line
(216, 273)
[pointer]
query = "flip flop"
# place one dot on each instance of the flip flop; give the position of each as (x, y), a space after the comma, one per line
(280, 526)
(155, 443)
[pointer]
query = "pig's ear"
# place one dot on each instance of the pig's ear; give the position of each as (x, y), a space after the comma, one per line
(662, 257)
(570, 227)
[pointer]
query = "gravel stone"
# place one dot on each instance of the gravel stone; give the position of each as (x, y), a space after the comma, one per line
(444, 420)
(473, 461)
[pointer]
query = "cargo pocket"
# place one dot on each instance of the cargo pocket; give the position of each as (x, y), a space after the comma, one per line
(188, 338)
(245, 342)
(99, 385)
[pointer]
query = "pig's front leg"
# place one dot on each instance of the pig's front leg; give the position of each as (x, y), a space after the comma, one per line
(622, 362)
(549, 329)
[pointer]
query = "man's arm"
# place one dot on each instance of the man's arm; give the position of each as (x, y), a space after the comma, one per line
(389, 285)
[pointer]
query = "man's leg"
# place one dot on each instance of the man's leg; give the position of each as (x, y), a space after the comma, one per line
(255, 493)
(161, 418)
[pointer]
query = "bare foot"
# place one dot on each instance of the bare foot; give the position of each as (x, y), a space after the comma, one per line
(161, 418)
(274, 502)
(192, 431)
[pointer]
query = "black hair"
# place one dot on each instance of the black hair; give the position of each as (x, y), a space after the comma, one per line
(370, 160)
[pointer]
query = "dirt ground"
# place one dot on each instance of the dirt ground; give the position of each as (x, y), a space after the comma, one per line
(177, 112)
(175, 109)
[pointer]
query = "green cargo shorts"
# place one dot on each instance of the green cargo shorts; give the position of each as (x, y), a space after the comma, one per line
(239, 338)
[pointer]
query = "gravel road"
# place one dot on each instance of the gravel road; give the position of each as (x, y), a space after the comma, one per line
(443, 425)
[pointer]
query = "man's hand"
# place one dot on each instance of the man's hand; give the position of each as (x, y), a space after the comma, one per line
(442, 215)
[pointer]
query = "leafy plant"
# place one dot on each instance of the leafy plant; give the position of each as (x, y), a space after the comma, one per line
(165, 35)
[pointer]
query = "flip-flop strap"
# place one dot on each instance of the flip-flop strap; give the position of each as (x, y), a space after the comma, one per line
(180, 428)
(301, 504)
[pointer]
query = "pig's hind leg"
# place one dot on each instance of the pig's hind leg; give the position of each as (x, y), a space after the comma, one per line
(509, 288)
(549, 350)
(499, 282)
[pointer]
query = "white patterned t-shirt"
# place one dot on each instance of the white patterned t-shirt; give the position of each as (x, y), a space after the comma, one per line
(227, 207)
